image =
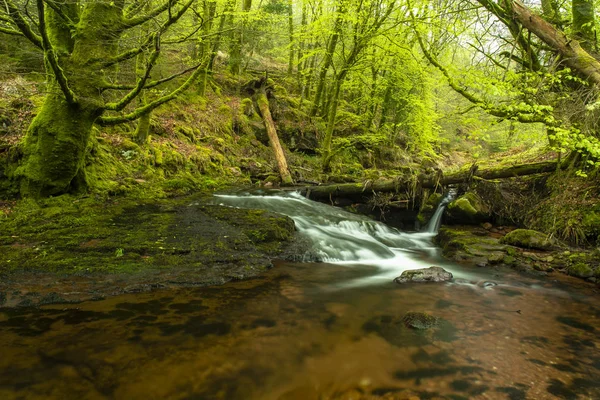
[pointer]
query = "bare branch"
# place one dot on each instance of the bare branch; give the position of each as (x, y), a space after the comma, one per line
(59, 11)
(135, 21)
(523, 114)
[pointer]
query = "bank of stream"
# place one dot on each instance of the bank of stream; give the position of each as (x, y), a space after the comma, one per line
(330, 328)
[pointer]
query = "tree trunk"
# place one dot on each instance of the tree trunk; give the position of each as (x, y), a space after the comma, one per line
(571, 51)
(326, 146)
(291, 35)
(263, 106)
(331, 45)
(350, 189)
(55, 147)
(584, 23)
(235, 60)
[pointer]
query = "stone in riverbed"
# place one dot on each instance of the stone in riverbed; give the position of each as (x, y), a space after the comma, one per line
(431, 274)
(419, 320)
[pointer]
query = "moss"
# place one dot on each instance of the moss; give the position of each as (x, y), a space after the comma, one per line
(69, 235)
(54, 149)
(581, 270)
(529, 239)
(467, 209)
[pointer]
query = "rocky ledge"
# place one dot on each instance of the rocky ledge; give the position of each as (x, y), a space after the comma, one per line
(69, 253)
(522, 249)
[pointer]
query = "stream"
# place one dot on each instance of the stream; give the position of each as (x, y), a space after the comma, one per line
(327, 330)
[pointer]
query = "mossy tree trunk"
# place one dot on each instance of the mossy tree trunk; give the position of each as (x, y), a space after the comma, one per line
(54, 148)
(235, 58)
(258, 88)
(584, 23)
(80, 44)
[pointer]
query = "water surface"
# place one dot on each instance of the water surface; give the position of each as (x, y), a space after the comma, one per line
(316, 331)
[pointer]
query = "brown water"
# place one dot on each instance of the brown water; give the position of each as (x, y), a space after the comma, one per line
(295, 335)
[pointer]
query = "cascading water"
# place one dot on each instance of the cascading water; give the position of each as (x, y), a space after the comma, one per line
(341, 237)
(433, 226)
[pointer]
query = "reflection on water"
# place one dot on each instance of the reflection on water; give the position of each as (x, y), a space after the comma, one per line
(294, 335)
(316, 331)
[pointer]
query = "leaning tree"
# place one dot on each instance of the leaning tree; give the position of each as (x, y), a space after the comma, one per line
(84, 47)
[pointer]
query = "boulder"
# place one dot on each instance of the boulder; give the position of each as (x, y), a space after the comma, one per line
(467, 209)
(529, 239)
(431, 274)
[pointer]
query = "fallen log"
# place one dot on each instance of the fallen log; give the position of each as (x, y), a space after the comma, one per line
(428, 181)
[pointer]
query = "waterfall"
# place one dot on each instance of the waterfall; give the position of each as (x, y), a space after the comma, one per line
(342, 237)
(436, 219)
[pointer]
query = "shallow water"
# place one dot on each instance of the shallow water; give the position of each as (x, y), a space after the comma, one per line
(315, 331)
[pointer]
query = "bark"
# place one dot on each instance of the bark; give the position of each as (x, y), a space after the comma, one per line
(263, 106)
(427, 181)
(205, 46)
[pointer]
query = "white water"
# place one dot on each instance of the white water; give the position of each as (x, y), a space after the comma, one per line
(344, 238)
(433, 226)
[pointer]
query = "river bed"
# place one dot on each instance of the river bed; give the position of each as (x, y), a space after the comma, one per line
(306, 331)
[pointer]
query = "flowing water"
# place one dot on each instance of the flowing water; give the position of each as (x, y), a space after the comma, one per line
(305, 331)
(436, 219)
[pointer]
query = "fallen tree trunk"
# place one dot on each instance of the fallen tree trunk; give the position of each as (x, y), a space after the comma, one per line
(428, 181)
(258, 89)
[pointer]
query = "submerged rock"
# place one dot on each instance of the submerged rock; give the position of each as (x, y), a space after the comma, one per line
(420, 320)
(431, 274)
(528, 239)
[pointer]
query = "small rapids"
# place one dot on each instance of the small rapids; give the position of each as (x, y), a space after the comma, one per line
(341, 237)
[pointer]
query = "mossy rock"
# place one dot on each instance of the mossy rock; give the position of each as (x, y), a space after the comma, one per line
(467, 209)
(529, 239)
(581, 270)
(420, 320)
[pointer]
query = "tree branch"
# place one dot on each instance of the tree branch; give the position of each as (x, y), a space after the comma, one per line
(52, 58)
(121, 104)
(135, 21)
(522, 113)
(153, 83)
(134, 52)
(105, 121)
(59, 11)
(11, 32)
(23, 26)
(570, 49)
